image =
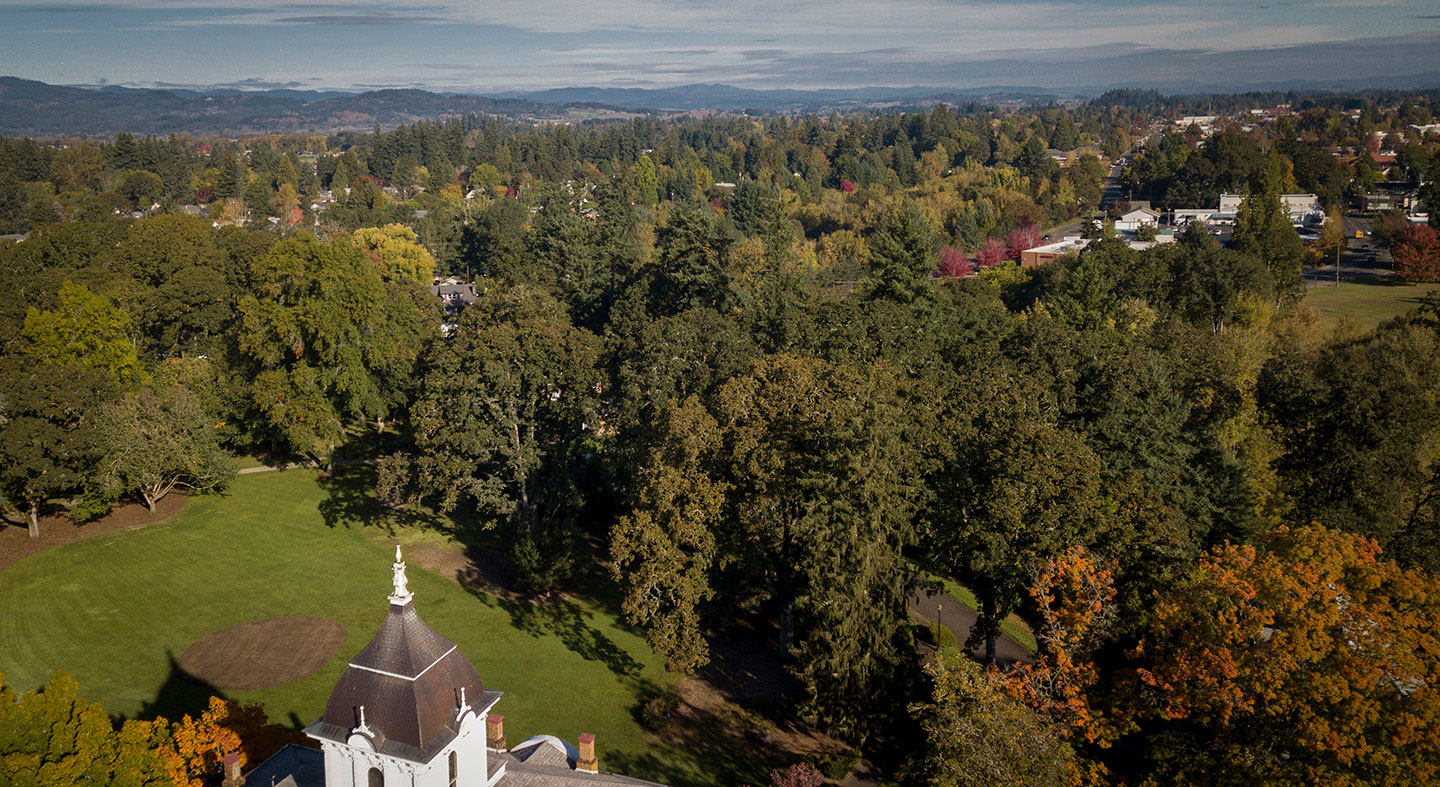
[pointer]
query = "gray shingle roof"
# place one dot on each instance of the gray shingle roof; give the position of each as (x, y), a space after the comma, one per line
(292, 766)
(409, 681)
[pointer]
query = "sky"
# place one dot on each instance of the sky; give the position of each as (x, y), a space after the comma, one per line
(519, 45)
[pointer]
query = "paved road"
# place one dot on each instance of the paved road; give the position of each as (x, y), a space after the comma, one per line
(1355, 261)
(1112, 191)
(960, 619)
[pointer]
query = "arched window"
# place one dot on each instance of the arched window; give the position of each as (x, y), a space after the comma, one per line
(375, 778)
(454, 769)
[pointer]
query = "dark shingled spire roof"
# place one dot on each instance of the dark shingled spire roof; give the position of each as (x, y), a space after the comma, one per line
(409, 680)
(404, 645)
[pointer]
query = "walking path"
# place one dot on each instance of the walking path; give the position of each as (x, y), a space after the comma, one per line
(302, 463)
(960, 619)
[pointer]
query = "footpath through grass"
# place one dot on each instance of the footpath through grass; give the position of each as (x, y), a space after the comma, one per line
(115, 610)
(1369, 303)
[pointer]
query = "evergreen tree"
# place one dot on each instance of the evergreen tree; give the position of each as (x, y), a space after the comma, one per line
(691, 249)
(904, 253)
(824, 489)
(500, 411)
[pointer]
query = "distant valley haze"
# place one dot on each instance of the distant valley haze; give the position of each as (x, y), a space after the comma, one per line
(514, 49)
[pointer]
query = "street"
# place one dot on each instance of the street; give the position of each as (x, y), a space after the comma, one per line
(1355, 261)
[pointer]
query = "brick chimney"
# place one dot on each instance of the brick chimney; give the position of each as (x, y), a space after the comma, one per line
(495, 731)
(586, 762)
(230, 764)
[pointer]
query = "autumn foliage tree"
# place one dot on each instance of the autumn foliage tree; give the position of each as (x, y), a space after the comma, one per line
(1073, 594)
(396, 250)
(54, 737)
(992, 252)
(197, 744)
(1020, 239)
(977, 735)
(1304, 659)
(1417, 254)
(954, 264)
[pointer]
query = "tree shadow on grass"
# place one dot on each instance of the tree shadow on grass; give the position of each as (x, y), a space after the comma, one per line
(350, 502)
(700, 746)
(568, 621)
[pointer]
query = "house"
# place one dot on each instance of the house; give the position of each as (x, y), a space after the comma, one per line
(1040, 255)
(454, 294)
(411, 710)
(1137, 217)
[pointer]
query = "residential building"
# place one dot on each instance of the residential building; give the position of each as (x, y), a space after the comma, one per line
(454, 293)
(1136, 217)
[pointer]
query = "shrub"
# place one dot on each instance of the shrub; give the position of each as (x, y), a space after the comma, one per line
(658, 712)
(838, 765)
(545, 559)
(798, 775)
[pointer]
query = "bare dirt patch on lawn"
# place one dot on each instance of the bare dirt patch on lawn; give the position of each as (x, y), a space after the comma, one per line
(56, 529)
(258, 654)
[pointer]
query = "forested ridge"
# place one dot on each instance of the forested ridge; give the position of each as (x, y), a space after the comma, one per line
(788, 370)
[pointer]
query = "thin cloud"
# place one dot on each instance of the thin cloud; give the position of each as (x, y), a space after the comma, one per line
(359, 19)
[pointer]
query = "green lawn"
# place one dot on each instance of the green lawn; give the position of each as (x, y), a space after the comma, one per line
(1369, 304)
(115, 609)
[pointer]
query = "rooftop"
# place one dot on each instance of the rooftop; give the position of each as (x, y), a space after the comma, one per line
(405, 690)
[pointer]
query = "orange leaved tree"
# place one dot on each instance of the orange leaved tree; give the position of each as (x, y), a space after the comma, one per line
(1305, 659)
(1073, 593)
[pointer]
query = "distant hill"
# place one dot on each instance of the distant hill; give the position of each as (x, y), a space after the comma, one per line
(726, 98)
(37, 109)
(30, 108)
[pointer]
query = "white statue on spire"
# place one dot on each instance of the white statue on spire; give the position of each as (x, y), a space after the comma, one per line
(402, 593)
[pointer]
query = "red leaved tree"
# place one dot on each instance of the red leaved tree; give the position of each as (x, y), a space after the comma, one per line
(1022, 238)
(953, 263)
(992, 252)
(1417, 254)
(847, 186)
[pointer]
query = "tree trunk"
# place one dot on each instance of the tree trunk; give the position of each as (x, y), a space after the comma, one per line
(150, 500)
(379, 425)
(787, 628)
(34, 519)
(987, 608)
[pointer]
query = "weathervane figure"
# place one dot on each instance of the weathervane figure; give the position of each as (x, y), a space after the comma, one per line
(402, 593)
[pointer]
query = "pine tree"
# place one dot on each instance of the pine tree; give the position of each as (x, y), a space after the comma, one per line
(904, 252)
